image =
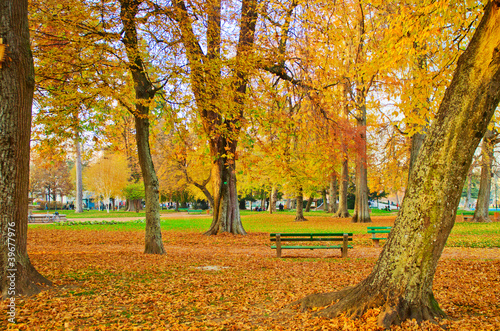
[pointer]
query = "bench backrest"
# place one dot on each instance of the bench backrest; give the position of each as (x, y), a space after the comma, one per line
(379, 229)
(311, 236)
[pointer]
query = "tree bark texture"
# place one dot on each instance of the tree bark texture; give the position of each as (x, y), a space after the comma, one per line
(17, 79)
(273, 199)
(361, 207)
(469, 188)
(401, 281)
(333, 206)
(416, 143)
(144, 95)
(325, 202)
(342, 211)
(299, 214)
(481, 214)
(226, 213)
(79, 178)
(309, 203)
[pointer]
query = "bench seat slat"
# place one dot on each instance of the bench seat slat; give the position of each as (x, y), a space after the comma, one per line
(312, 239)
(311, 247)
(309, 234)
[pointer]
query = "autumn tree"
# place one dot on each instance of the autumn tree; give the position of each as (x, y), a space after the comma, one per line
(17, 275)
(67, 93)
(401, 281)
(481, 214)
(107, 177)
(182, 160)
(145, 92)
(50, 179)
(134, 193)
(221, 120)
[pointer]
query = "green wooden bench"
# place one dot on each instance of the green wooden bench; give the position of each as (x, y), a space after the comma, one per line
(195, 211)
(182, 209)
(377, 230)
(318, 238)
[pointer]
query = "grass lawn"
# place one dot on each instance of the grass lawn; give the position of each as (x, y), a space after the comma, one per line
(463, 234)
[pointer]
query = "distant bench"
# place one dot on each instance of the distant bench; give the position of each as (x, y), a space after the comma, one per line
(467, 217)
(195, 211)
(279, 238)
(378, 230)
(46, 218)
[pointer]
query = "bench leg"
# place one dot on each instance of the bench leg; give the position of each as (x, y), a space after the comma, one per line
(344, 245)
(278, 245)
(376, 242)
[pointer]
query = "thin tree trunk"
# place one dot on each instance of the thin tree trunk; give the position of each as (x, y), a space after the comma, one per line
(469, 187)
(481, 214)
(273, 199)
(263, 200)
(325, 202)
(17, 274)
(299, 215)
(343, 212)
(79, 180)
(309, 203)
(333, 206)
(145, 93)
(361, 207)
(401, 281)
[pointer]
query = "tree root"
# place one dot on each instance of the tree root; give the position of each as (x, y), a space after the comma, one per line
(342, 214)
(481, 219)
(300, 219)
(355, 301)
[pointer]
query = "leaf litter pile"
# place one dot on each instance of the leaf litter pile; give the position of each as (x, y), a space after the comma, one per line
(103, 281)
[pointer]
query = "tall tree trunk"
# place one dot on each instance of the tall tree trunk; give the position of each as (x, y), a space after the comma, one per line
(361, 207)
(299, 215)
(343, 212)
(273, 199)
(401, 281)
(333, 206)
(17, 79)
(481, 214)
(309, 203)
(222, 128)
(469, 187)
(325, 202)
(263, 197)
(144, 94)
(226, 214)
(79, 178)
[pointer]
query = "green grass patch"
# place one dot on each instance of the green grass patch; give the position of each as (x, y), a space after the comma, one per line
(464, 234)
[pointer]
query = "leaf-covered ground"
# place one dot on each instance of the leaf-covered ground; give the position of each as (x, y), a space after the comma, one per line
(103, 281)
